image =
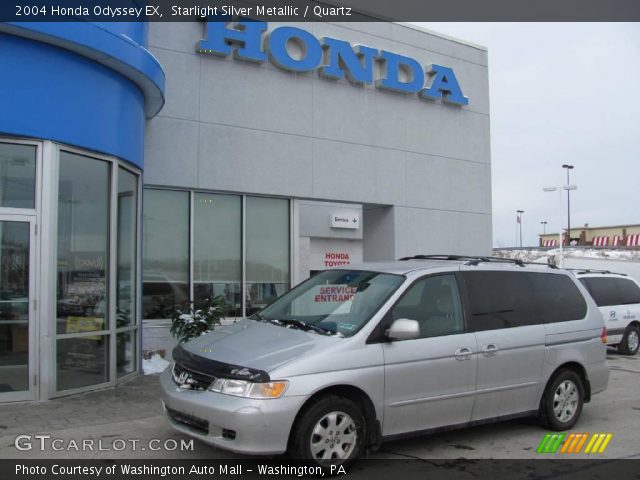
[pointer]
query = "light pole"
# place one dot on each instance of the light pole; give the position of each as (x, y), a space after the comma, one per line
(568, 167)
(544, 227)
(559, 190)
(520, 212)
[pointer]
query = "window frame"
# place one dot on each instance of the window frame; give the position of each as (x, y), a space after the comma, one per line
(615, 281)
(537, 309)
(114, 165)
(192, 244)
(37, 183)
(587, 285)
(620, 281)
(243, 250)
(377, 335)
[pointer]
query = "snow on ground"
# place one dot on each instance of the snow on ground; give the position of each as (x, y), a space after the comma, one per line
(537, 255)
(155, 364)
(620, 261)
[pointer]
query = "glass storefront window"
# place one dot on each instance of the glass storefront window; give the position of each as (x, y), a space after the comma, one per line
(127, 243)
(165, 252)
(267, 251)
(125, 353)
(14, 306)
(17, 175)
(95, 315)
(82, 362)
(217, 249)
(83, 244)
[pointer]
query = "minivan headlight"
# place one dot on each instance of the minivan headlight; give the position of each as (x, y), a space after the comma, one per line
(243, 388)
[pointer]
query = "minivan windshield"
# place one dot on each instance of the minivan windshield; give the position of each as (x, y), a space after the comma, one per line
(333, 302)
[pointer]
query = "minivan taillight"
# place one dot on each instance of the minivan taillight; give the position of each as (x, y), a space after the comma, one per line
(603, 335)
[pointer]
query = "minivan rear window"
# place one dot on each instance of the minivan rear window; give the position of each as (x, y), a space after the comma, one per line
(514, 299)
(608, 291)
(629, 291)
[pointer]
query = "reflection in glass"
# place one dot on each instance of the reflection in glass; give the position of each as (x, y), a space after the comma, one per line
(14, 306)
(82, 361)
(125, 353)
(17, 175)
(126, 257)
(267, 243)
(166, 252)
(217, 249)
(83, 243)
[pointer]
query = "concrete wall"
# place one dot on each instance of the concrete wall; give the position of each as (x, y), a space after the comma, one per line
(234, 126)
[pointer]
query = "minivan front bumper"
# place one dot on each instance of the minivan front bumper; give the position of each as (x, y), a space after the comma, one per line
(238, 424)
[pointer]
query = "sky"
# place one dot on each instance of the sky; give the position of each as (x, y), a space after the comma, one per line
(560, 93)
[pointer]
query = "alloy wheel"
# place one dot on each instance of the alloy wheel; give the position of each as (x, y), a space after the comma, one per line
(334, 437)
(565, 401)
(632, 340)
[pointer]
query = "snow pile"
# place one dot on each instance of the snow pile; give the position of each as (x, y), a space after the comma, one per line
(536, 255)
(155, 364)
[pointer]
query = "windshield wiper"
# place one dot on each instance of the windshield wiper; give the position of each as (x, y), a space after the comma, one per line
(303, 326)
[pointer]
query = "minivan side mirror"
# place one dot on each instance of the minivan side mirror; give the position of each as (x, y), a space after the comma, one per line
(403, 329)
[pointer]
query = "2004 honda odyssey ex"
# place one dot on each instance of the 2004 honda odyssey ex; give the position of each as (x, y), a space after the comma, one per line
(356, 356)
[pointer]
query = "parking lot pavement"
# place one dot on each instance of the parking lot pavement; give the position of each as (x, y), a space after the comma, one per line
(133, 412)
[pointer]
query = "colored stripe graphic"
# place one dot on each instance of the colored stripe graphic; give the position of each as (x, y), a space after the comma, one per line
(598, 443)
(582, 442)
(550, 443)
(573, 443)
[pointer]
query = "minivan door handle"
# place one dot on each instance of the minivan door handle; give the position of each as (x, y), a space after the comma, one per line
(489, 350)
(463, 353)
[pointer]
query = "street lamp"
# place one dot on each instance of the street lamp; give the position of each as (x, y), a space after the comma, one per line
(568, 167)
(544, 227)
(520, 212)
(559, 190)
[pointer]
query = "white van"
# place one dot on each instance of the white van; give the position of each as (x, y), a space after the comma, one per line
(618, 297)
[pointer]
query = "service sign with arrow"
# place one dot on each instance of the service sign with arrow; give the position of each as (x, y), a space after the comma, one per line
(350, 220)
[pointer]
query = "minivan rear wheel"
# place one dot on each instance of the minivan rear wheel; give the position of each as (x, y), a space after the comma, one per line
(630, 341)
(331, 431)
(562, 402)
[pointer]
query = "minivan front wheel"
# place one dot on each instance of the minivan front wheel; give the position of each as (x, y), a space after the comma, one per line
(630, 341)
(330, 432)
(563, 400)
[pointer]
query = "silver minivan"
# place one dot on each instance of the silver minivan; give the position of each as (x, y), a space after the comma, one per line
(356, 356)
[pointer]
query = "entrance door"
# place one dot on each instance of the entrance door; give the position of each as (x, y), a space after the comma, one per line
(17, 326)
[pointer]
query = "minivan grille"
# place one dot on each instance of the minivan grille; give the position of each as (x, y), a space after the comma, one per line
(190, 379)
(190, 421)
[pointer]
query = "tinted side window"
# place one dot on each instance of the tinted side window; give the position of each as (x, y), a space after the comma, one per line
(434, 302)
(628, 290)
(603, 290)
(514, 299)
(500, 300)
(557, 298)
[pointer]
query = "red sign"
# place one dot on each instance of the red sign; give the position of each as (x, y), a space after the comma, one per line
(335, 293)
(335, 259)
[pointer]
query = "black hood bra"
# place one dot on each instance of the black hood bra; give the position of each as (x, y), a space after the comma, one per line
(216, 368)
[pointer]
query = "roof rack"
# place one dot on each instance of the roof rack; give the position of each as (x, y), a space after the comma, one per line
(475, 260)
(441, 257)
(589, 270)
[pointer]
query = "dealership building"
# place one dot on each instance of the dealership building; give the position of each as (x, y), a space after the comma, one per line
(146, 165)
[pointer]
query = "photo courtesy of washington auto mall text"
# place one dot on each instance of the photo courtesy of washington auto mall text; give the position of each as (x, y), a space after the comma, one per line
(319, 238)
